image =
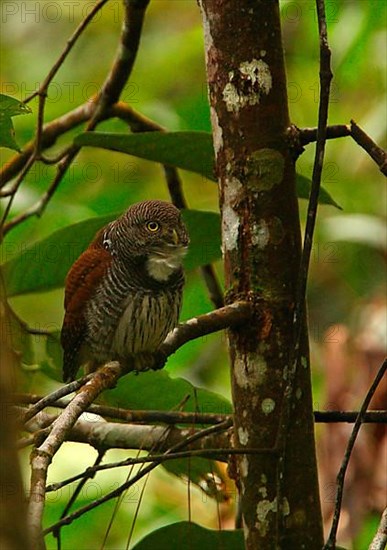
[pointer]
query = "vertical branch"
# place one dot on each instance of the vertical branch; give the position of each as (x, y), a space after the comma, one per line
(13, 533)
(299, 311)
(331, 542)
(115, 81)
(262, 251)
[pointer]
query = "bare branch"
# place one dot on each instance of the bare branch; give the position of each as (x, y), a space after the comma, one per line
(298, 137)
(232, 315)
(90, 474)
(379, 542)
(117, 492)
(165, 417)
(41, 457)
(51, 398)
(374, 151)
(50, 133)
(299, 310)
(104, 435)
(331, 542)
(182, 417)
(218, 453)
(309, 135)
(219, 319)
(111, 90)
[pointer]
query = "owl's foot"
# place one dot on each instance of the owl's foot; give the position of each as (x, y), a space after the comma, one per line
(146, 361)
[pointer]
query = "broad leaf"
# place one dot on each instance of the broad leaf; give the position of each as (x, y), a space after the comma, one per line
(157, 390)
(190, 535)
(191, 151)
(304, 186)
(7, 134)
(10, 107)
(187, 150)
(43, 265)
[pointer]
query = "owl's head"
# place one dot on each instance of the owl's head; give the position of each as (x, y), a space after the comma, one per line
(153, 230)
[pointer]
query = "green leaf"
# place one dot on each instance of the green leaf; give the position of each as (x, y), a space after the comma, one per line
(186, 534)
(191, 151)
(7, 134)
(187, 150)
(9, 106)
(204, 232)
(157, 390)
(304, 185)
(43, 265)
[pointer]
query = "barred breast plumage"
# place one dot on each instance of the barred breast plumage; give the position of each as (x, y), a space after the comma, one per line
(124, 294)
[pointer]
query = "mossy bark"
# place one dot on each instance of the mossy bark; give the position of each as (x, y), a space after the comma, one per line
(261, 250)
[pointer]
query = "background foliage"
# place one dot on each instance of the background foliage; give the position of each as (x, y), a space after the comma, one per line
(168, 84)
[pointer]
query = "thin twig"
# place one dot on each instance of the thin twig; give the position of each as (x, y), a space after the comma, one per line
(374, 151)
(232, 315)
(219, 453)
(299, 310)
(145, 416)
(309, 135)
(298, 317)
(43, 89)
(27, 167)
(41, 457)
(379, 542)
(112, 494)
(78, 489)
(119, 73)
(70, 43)
(176, 193)
(331, 542)
(197, 418)
(298, 137)
(38, 208)
(51, 398)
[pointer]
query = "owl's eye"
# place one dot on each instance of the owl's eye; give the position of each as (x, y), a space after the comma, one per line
(153, 226)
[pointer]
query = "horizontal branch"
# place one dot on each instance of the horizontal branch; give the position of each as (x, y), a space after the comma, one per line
(41, 457)
(219, 319)
(135, 478)
(182, 417)
(147, 437)
(374, 151)
(228, 316)
(104, 435)
(299, 137)
(309, 135)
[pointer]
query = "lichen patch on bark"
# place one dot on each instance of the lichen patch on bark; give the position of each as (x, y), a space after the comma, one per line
(247, 84)
(264, 507)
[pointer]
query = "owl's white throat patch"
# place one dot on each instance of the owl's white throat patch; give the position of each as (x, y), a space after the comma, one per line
(161, 265)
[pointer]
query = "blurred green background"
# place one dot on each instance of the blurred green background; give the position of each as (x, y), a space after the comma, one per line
(168, 84)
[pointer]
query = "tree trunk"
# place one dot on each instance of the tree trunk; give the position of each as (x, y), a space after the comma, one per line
(13, 507)
(261, 250)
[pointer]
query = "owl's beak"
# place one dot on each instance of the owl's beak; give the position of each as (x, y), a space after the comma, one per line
(175, 237)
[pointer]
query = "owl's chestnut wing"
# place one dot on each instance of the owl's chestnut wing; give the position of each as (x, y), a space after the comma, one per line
(82, 281)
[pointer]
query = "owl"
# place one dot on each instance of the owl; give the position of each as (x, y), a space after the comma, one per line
(123, 295)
